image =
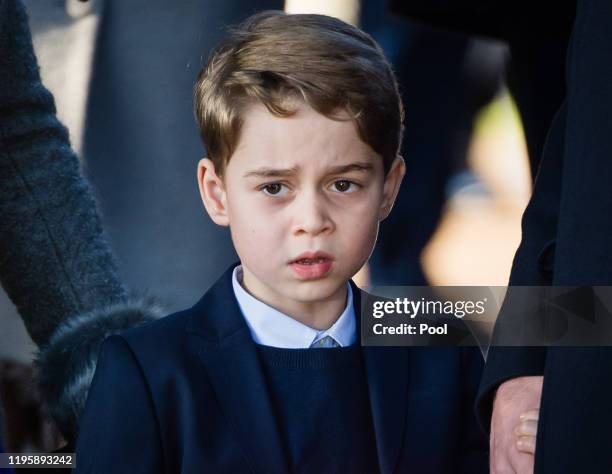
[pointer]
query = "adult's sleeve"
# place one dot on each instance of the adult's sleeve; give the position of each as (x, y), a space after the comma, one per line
(119, 429)
(54, 258)
(505, 363)
(533, 265)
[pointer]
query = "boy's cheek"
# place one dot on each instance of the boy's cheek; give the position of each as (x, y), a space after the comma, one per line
(258, 237)
(360, 237)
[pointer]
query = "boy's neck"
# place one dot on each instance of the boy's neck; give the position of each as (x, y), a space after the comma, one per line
(319, 315)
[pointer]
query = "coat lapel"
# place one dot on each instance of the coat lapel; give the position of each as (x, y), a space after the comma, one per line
(387, 373)
(229, 356)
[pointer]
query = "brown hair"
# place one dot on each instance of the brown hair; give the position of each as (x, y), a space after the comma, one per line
(328, 64)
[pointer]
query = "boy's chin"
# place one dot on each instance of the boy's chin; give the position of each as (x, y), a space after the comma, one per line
(311, 291)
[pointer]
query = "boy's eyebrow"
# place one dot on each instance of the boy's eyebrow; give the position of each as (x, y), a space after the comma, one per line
(351, 167)
(273, 172)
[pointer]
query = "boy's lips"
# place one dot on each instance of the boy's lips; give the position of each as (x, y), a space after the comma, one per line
(312, 265)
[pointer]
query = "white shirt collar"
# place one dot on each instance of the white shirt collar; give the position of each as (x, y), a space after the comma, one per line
(270, 327)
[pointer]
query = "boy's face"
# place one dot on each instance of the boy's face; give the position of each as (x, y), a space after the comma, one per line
(303, 197)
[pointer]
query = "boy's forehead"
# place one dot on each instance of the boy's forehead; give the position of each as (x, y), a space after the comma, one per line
(305, 140)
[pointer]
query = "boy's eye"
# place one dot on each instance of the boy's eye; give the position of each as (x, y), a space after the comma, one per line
(274, 189)
(344, 186)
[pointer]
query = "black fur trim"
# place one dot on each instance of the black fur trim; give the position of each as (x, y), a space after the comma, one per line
(66, 364)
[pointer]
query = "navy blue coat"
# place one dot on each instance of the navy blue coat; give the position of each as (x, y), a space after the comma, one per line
(186, 394)
(567, 228)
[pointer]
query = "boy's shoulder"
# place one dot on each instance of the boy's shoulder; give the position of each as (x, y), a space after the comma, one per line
(163, 329)
(159, 342)
(208, 319)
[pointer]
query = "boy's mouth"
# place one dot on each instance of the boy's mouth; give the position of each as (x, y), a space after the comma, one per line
(312, 265)
(310, 261)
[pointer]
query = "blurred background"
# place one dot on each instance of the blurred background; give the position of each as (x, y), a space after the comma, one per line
(122, 75)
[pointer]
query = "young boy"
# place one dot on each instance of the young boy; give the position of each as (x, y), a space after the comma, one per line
(301, 118)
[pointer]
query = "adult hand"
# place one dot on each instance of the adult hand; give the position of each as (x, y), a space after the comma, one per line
(513, 398)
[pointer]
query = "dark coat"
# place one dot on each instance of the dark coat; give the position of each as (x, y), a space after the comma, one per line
(566, 237)
(187, 394)
(55, 263)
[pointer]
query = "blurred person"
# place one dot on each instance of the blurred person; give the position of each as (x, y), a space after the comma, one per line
(301, 118)
(444, 89)
(55, 264)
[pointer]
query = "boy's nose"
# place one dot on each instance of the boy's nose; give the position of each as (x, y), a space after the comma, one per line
(311, 216)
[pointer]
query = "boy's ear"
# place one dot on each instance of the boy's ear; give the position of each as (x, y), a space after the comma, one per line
(212, 192)
(391, 187)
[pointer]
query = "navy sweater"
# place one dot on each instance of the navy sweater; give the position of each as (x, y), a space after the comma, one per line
(322, 407)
